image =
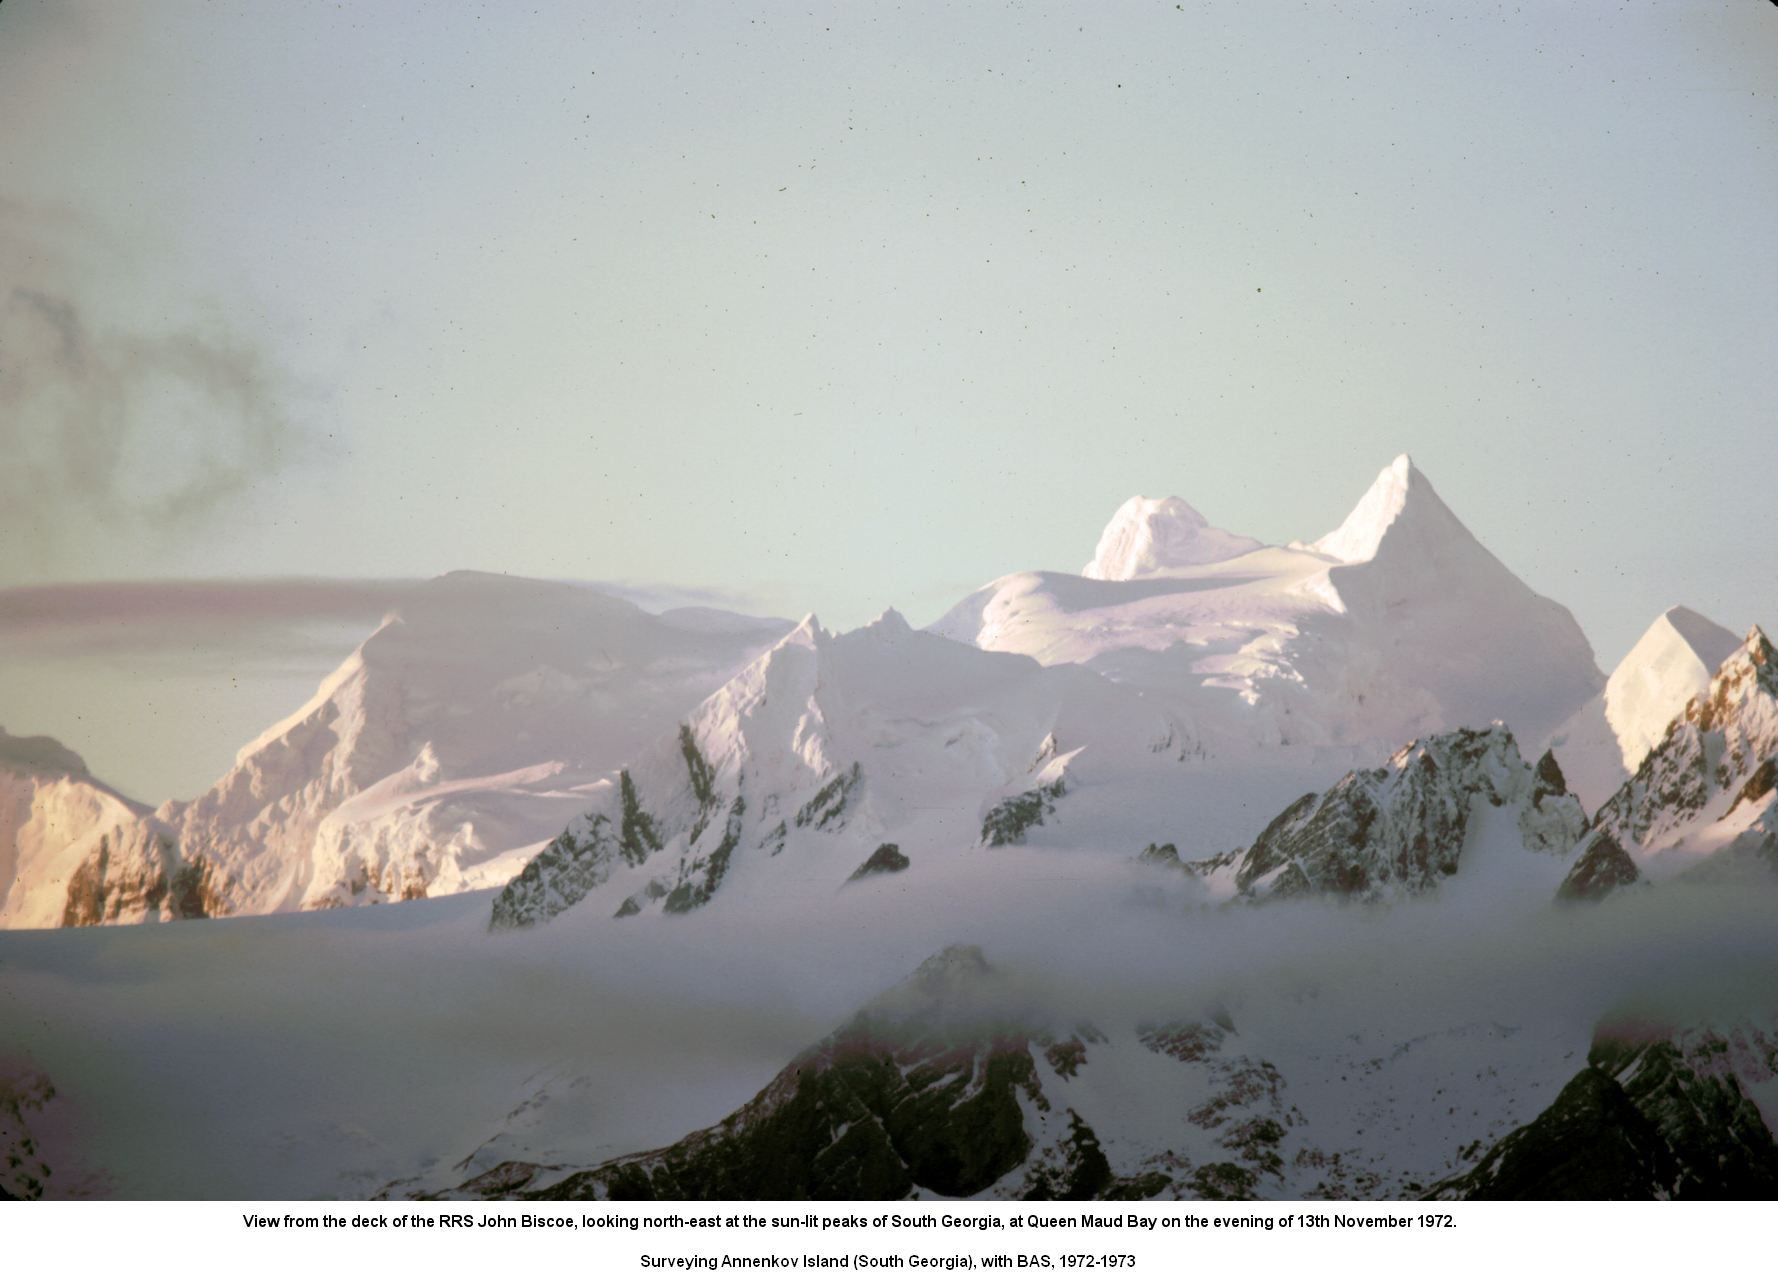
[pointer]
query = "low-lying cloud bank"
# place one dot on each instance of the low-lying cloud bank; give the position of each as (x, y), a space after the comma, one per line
(341, 1051)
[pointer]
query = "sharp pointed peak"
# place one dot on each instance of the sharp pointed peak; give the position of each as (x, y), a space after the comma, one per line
(1707, 639)
(1758, 647)
(891, 621)
(1754, 661)
(1400, 488)
(1755, 648)
(807, 633)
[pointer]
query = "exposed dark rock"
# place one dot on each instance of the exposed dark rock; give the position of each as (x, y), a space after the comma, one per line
(829, 804)
(23, 1172)
(1592, 1144)
(1401, 827)
(568, 868)
(1726, 739)
(1758, 785)
(1162, 855)
(1549, 779)
(1681, 1083)
(1008, 821)
(135, 872)
(888, 859)
(702, 876)
(1083, 1174)
(1602, 868)
(1656, 1114)
(637, 837)
(893, 1102)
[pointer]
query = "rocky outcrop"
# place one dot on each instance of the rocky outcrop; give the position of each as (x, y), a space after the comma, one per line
(911, 1095)
(52, 815)
(136, 874)
(886, 859)
(1601, 868)
(1656, 1114)
(826, 747)
(1401, 828)
(1007, 822)
(23, 1172)
(1712, 757)
(939, 1088)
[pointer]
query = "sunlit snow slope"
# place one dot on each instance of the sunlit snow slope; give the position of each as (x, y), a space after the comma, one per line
(461, 734)
(1397, 624)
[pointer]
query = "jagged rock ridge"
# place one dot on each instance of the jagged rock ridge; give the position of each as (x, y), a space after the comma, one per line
(1401, 828)
(436, 758)
(1656, 1114)
(1706, 789)
(828, 746)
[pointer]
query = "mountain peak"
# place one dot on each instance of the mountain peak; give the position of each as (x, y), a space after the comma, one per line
(1672, 662)
(1148, 536)
(1754, 659)
(1400, 496)
(1709, 641)
(890, 623)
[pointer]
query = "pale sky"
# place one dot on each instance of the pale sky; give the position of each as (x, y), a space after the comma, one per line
(834, 307)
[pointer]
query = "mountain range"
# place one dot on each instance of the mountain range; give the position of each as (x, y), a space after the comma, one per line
(448, 747)
(1381, 728)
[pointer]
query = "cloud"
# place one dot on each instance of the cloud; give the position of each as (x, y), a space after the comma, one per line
(659, 597)
(110, 424)
(238, 619)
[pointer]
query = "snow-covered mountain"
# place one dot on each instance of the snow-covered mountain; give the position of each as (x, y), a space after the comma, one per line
(955, 1084)
(53, 817)
(1656, 1114)
(459, 736)
(1397, 624)
(828, 748)
(950, 1085)
(1704, 794)
(1149, 537)
(1405, 827)
(1602, 744)
(1384, 988)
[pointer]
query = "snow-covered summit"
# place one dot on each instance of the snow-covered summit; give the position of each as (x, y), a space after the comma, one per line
(453, 735)
(1602, 744)
(460, 735)
(1666, 669)
(1152, 536)
(53, 815)
(1400, 494)
(1707, 788)
(1399, 623)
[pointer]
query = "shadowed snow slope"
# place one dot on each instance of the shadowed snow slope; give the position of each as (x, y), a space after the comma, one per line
(1602, 744)
(1397, 624)
(1705, 794)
